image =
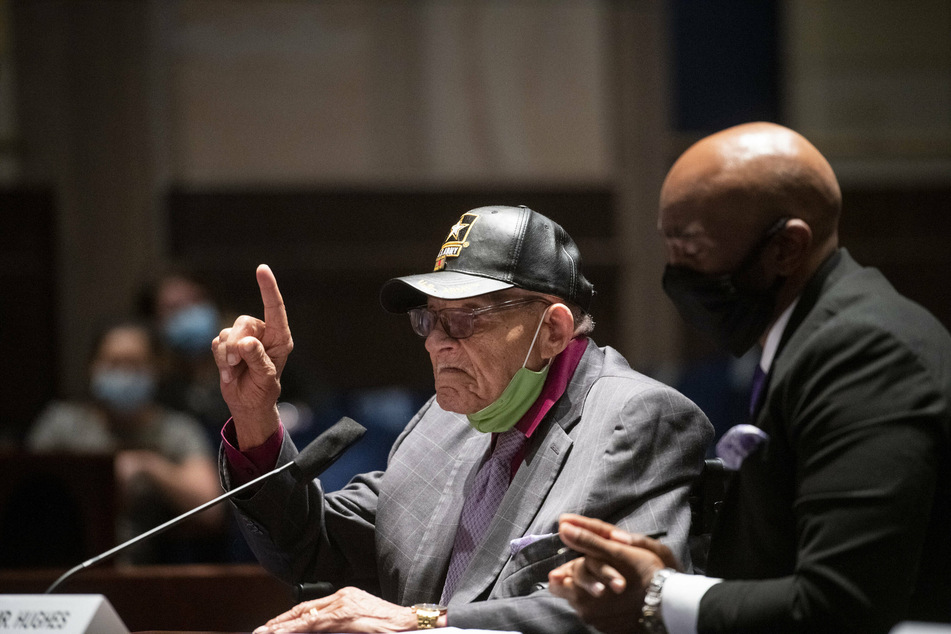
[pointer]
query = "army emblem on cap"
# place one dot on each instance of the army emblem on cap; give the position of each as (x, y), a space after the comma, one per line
(456, 240)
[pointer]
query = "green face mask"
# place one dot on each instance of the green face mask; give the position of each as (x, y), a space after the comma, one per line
(524, 388)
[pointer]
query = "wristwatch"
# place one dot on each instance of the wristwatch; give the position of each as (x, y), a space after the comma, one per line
(651, 619)
(427, 614)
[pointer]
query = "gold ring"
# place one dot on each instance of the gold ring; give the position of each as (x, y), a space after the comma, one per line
(313, 612)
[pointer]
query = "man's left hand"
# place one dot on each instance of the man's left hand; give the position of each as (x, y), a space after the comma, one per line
(347, 610)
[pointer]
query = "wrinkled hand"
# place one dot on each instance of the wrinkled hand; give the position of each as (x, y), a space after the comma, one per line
(347, 610)
(606, 586)
(250, 357)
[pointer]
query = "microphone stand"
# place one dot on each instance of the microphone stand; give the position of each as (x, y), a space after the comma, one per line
(161, 528)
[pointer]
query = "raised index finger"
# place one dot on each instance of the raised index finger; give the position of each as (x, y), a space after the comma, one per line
(275, 317)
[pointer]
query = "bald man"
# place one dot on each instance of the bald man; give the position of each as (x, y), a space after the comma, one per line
(838, 517)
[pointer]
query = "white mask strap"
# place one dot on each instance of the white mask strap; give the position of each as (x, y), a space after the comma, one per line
(540, 322)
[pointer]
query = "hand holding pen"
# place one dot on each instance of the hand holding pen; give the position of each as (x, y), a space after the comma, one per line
(607, 584)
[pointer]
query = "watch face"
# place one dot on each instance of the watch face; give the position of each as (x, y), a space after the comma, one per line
(427, 614)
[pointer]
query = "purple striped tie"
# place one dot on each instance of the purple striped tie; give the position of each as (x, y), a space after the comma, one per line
(480, 506)
(759, 382)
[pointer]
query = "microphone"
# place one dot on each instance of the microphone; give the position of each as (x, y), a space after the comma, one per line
(316, 457)
(326, 449)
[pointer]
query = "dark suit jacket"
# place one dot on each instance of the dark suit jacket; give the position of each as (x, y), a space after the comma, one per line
(843, 521)
(617, 446)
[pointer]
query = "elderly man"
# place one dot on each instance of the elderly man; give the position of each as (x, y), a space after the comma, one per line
(530, 418)
(839, 516)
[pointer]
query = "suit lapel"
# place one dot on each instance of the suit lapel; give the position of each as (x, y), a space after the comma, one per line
(803, 320)
(836, 266)
(425, 579)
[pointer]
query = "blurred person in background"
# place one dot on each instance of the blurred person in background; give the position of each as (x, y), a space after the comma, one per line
(164, 463)
(186, 319)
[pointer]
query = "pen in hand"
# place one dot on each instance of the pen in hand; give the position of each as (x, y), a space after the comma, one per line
(544, 585)
(654, 535)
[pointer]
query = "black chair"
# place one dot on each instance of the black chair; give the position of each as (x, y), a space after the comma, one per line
(706, 499)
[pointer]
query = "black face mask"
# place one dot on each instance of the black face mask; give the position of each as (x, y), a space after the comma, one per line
(715, 304)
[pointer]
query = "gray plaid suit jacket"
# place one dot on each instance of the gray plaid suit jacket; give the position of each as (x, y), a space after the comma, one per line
(617, 446)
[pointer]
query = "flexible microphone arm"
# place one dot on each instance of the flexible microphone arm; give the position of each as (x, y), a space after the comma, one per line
(161, 528)
(319, 455)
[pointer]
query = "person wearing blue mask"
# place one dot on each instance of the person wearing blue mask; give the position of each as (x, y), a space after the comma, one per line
(163, 462)
(529, 418)
(186, 330)
(187, 319)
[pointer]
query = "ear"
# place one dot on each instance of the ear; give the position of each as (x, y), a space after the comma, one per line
(557, 331)
(794, 243)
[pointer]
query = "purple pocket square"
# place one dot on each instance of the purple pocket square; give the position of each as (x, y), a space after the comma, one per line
(737, 443)
(519, 543)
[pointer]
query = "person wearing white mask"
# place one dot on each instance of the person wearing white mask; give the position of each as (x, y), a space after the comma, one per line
(530, 418)
(163, 462)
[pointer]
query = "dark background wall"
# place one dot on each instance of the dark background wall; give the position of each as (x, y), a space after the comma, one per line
(332, 249)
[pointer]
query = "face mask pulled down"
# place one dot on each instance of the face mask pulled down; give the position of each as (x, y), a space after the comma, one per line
(523, 390)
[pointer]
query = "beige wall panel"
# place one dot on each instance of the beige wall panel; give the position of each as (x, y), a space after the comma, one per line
(271, 92)
(304, 92)
(516, 90)
(870, 82)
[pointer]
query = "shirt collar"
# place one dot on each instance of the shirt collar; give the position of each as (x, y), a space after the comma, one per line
(774, 336)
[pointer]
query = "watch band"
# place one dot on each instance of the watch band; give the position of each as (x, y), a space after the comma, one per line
(427, 615)
(651, 617)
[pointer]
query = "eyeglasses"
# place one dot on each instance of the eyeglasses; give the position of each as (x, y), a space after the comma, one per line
(459, 323)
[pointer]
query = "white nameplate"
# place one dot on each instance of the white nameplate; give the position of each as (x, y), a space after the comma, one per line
(62, 613)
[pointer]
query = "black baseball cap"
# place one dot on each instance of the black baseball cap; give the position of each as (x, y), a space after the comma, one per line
(493, 248)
